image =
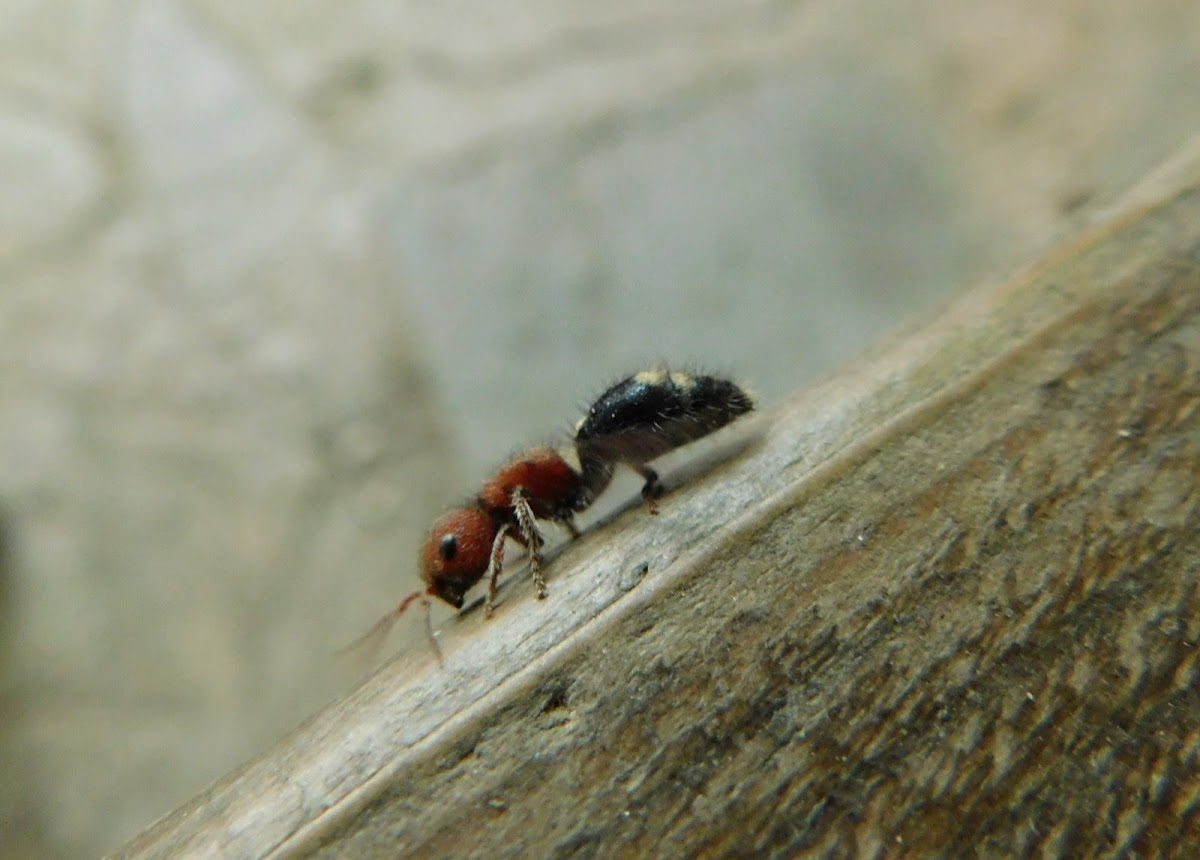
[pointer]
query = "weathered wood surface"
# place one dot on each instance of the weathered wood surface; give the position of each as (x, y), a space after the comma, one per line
(944, 603)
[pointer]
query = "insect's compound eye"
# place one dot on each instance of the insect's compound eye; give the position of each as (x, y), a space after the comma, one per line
(448, 547)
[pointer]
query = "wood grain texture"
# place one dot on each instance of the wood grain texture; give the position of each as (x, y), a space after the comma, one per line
(945, 602)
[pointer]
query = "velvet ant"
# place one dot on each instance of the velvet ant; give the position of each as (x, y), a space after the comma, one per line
(636, 420)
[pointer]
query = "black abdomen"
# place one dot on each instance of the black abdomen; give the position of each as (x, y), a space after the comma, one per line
(649, 414)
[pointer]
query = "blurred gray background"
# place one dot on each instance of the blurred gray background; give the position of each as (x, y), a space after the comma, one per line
(280, 280)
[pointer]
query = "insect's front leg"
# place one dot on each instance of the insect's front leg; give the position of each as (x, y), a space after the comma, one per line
(494, 564)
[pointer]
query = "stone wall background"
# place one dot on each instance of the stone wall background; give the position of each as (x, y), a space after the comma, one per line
(278, 281)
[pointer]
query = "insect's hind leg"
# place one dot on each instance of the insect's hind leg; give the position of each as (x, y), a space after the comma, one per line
(652, 490)
(568, 522)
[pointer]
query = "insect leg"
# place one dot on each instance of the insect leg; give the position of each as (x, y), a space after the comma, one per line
(494, 564)
(652, 489)
(568, 523)
(531, 537)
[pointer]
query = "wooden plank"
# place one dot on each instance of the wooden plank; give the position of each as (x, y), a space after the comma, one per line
(944, 601)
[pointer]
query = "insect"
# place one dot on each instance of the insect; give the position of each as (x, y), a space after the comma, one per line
(633, 422)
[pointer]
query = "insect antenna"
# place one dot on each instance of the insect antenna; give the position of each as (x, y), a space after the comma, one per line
(365, 648)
